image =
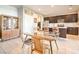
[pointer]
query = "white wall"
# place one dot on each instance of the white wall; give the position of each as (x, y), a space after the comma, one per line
(26, 21)
(20, 14)
(8, 10)
(28, 24)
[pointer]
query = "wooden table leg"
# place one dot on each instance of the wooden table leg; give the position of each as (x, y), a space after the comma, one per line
(51, 47)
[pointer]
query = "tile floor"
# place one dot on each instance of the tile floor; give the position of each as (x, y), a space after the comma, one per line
(14, 46)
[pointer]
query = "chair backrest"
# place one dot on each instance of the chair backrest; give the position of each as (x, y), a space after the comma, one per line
(46, 29)
(55, 29)
(37, 43)
(56, 32)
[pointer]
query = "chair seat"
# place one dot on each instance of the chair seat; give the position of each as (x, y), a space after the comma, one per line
(27, 42)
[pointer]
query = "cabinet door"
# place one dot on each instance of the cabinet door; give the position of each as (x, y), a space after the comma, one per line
(71, 18)
(5, 23)
(46, 18)
(72, 30)
(5, 35)
(60, 19)
(15, 23)
(14, 33)
(62, 32)
(52, 20)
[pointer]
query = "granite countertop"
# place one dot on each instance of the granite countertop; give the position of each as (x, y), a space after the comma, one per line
(62, 27)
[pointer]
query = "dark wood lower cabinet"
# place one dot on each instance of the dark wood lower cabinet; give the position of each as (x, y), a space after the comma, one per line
(69, 18)
(72, 30)
(62, 32)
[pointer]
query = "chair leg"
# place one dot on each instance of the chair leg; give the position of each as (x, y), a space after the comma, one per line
(31, 48)
(56, 45)
(23, 41)
(31, 52)
(51, 47)
(23, 45)
(49, 51)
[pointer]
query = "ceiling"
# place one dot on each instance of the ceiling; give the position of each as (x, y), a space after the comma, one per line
(53, 10)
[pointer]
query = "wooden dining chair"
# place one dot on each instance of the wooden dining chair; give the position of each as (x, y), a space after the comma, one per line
(56, 35)
(26, 41)
(38, 46)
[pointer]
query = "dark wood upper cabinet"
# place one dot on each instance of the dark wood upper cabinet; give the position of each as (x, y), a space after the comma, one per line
(72, 30)
(60, 19)
(70, 18)
(46, 18)
(52, 20)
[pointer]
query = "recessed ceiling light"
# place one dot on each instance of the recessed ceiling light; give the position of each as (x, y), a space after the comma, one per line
(39, 9)
(52, 6)
(70, 8)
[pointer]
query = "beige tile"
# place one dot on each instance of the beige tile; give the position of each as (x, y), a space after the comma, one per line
(14, 46)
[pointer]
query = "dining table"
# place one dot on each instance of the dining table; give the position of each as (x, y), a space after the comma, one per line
(48, 37)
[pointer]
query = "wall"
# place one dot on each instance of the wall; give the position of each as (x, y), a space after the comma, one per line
(20, 14)
(8, 10)
(33, 14)
(27, 19)
(28, 24)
